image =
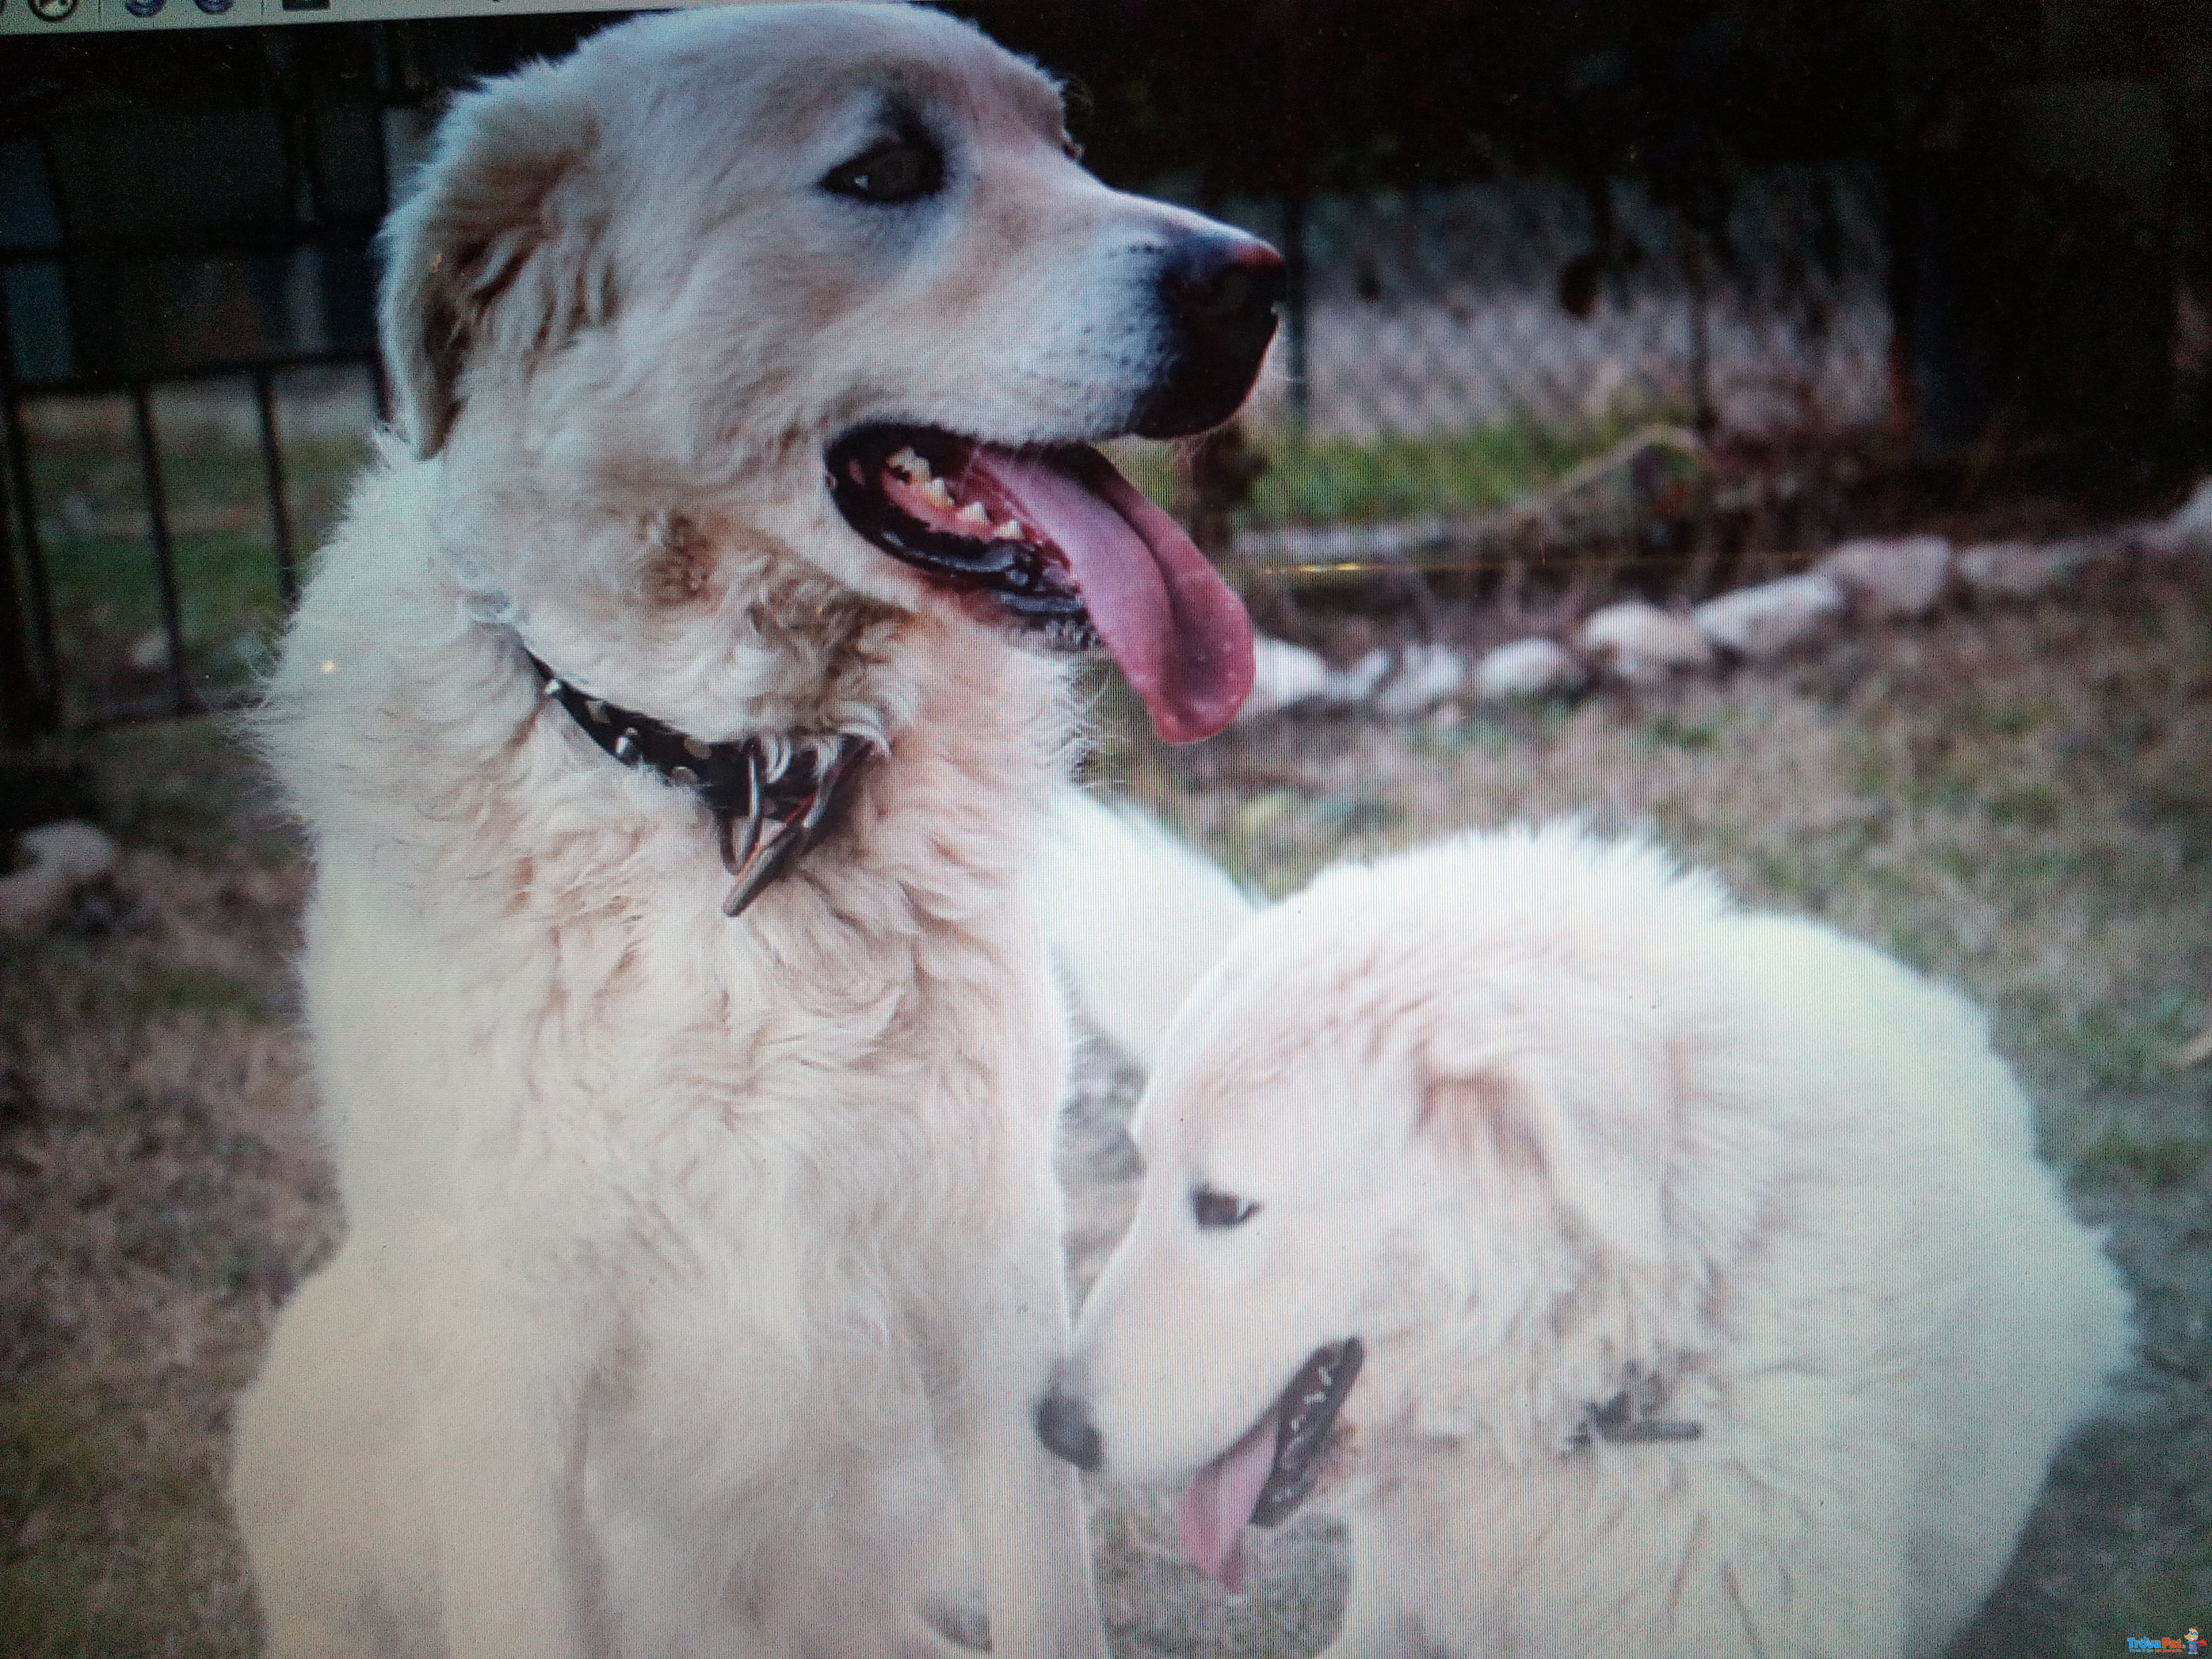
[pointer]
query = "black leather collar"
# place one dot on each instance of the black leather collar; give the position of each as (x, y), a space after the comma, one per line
(771, 800)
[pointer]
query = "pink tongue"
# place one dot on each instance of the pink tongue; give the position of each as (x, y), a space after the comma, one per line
(1219, 1501)
(1179, 633)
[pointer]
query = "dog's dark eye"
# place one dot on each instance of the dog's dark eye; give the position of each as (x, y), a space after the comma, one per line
(1215, 1209)
(903, 170)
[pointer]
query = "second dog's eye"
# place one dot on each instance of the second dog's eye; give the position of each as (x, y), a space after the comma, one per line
(1215, 1209)
(903, 170)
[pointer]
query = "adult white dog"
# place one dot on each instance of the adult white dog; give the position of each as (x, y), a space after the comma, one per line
(1635, 1274)
(674, 718)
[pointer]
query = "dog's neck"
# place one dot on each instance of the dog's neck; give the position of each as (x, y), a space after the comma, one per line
(773, 796)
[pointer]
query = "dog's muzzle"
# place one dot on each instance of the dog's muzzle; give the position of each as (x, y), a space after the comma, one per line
(1218, 295)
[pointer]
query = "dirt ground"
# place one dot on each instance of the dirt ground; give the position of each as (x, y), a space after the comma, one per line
(2021, 802)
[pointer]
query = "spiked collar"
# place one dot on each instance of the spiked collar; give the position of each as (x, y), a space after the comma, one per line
(771, 797)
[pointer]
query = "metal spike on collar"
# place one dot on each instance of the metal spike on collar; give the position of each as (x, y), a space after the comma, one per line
(766, 866)
(737, 845)
(756, 865)
(783, 811)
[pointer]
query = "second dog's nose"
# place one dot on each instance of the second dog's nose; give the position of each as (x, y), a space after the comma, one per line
(1218, 291)
(1067, 1432)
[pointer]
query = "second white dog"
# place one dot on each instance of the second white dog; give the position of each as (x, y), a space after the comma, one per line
(1635, 1274)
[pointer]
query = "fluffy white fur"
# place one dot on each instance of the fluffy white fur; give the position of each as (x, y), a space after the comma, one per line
(1134, 917)
(700, 1276)
(1535, 1117)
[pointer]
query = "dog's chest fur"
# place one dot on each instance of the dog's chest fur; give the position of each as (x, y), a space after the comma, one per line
(536, 934)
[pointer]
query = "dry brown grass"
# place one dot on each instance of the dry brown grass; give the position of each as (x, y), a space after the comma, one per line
(160, 1190)
(2020, 802)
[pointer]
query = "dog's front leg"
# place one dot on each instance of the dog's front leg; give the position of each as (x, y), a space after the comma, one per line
(1024, 1507)
(501, 1443)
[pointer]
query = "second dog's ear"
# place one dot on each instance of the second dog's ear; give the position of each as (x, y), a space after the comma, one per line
(498, 249)
(1594, 1130)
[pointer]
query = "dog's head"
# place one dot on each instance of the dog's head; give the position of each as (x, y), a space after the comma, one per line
(1412, 1115)
(814, 300)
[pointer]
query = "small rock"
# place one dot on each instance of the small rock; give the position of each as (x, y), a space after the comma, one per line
(1528, 668)
(1358, 682)
(2191, 527)
(1642, 644)
(1995, 572)
(1427, 675)
(1283, 674)
(149, 653)
(2157, 541)
(1903, 577)
(63, 857)
(1772, 619)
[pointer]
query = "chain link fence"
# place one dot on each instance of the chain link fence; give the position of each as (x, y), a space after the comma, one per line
(1442, 310)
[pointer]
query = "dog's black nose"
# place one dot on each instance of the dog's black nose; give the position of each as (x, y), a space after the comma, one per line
(1218, 293)
(1067, 1432)
(1217, 285)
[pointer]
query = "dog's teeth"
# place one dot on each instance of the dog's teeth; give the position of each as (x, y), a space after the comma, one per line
(936, 494)
(1009, 531)
(912, 464)
(974, 514)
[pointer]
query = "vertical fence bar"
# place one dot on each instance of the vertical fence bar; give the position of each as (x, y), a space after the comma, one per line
(1294, 218)
(1294, 305)
(30, 673)
(1702, 416)
(46, 713)
(165, 563)
(20, 709)
(280, 512)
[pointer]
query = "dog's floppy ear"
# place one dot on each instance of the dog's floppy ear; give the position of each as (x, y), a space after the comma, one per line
(500, 248)
(1594, 1125)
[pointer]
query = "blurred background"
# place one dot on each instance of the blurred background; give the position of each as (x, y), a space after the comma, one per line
(1773, 428)
(1851, 248)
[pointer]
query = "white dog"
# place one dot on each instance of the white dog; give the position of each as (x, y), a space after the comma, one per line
(1635, 1274)
(675, 718)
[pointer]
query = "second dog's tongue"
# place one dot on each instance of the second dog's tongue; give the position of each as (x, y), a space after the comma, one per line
(1219, 1501)
(1180, 634)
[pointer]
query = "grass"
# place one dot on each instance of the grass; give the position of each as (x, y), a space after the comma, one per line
(1313, 480)
(102, 574)
(2016, 802)
(2162, 1162)
(107, 1510)
(106, 596)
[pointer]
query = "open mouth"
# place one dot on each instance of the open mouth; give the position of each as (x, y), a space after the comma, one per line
(1054, 544)
(1261, 1480)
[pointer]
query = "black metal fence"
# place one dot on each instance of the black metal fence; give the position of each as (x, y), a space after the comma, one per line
(1424, 315)
(39, 693)
(186, 218)
(1432, 298)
